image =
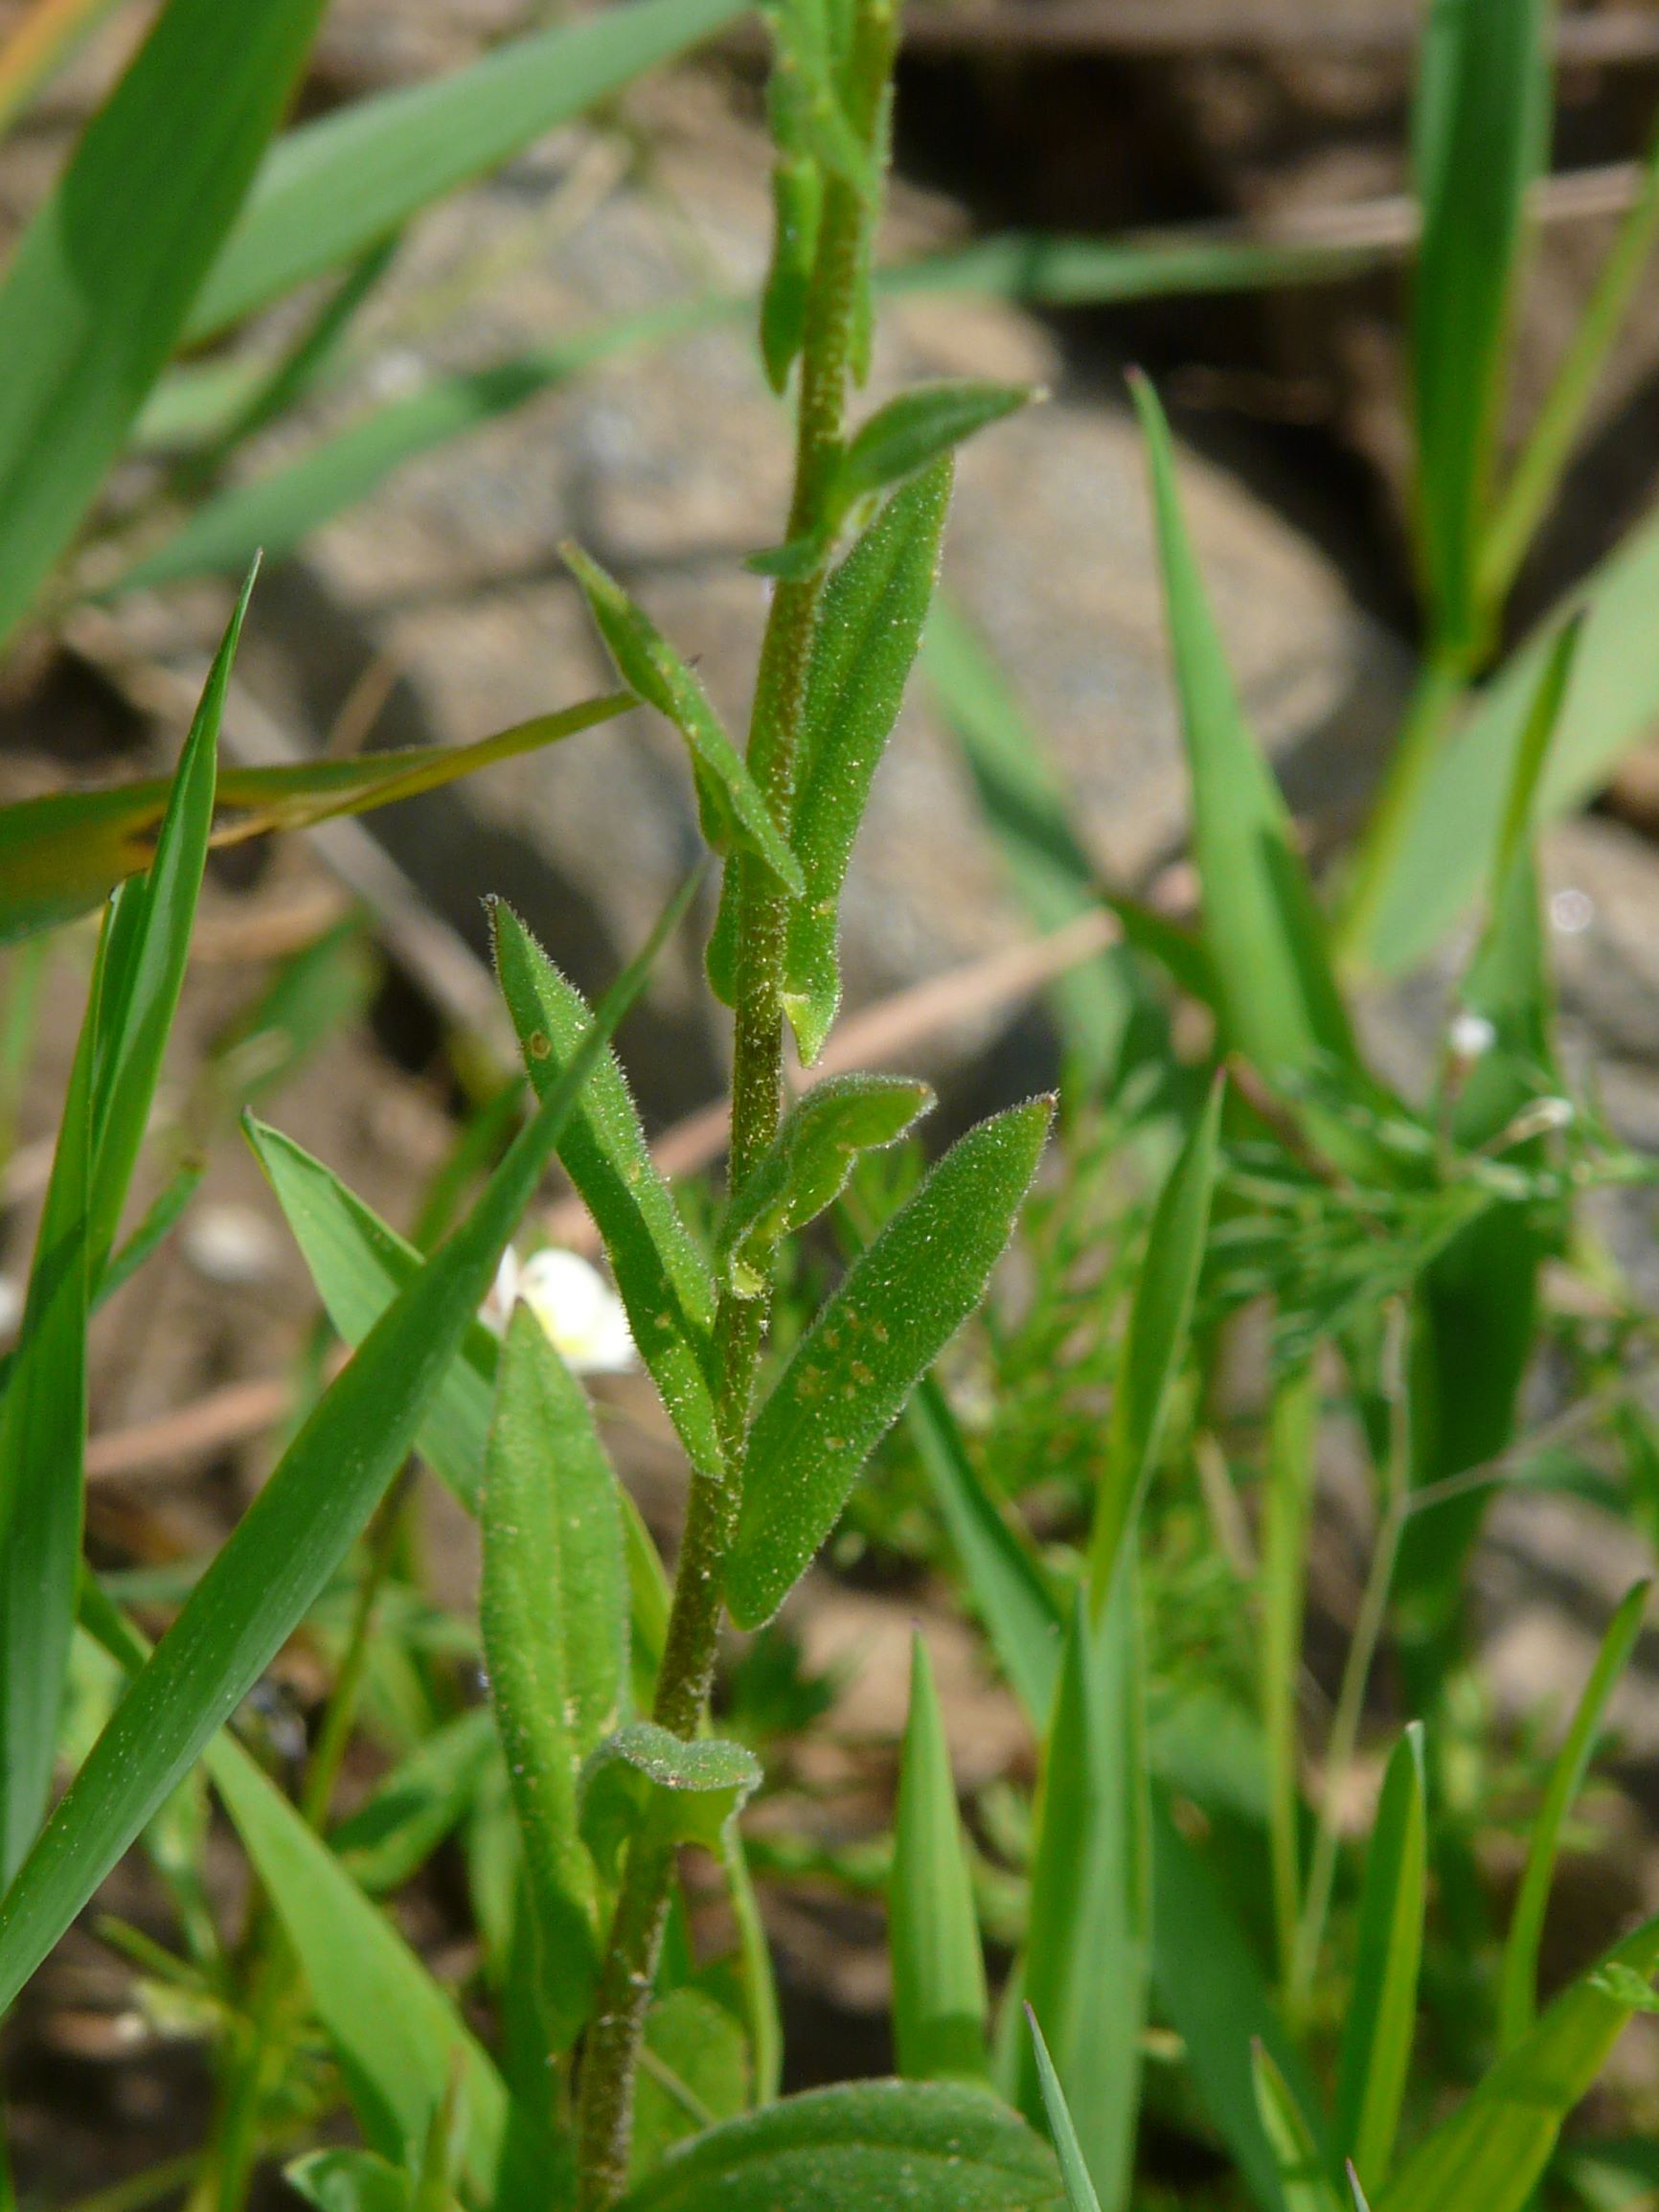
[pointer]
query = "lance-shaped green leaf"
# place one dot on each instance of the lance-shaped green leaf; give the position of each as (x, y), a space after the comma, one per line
(42, 1448)
(921, 426)
(694, 2074)
(662, 1277)
(1085, 1970)
(1155, 1343)
(869, 625)
(148, 944)
(733, 812)
(939, 1995)
(881, 2146)
(333, 187)
(58, 856)
(1494, 2148)
(1263, 930)
(1381, 2016)
(1006, 1580)
(1302, 2176)
(99, 287)
(1211, 1988)
(797, 204)
(293, 1537)
(398, 2037)
(1519, 1980)
(903, 1300)
(390, 1837)
(1080, 2189)
(277, 511)
(645, 1780)
(806, 1167)
(807, 108)
(1482, 136)
(554, 1612)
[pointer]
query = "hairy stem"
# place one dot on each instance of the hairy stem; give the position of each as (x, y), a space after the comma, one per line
(605, 2122)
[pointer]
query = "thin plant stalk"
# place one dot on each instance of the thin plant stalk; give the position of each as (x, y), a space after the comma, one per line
(1343, 1740)
(604, 2118)
(1283, 1584)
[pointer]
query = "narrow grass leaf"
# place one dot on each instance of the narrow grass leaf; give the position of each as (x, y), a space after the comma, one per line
(1006, 1581)
(1212, 1988)
(869, 625)
(398, 2036)
(806, 1167)
(662, 1279)
(42, 1484)
(901, 1301)
(644, 1779)
(882, 2146)
(1518, 1977)
(1085, 1965)
(1262, 928)
(1611, 707)
(1031, 816)
(1381, 2015)
(277, 512)
(424, 1797)
(150, 946)
(1155, 1343)
(921, 426)
(266, 1576)
(733, 812)
(1301, 2174)
(97, 290)
(1080, 2189)
(61, 854)
(1490, 2155)
(1286, 1517)
(335, 187)
(938, 1993)
(1482, 137)
(554, 1611)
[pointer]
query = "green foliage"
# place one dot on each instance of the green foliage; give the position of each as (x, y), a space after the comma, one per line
(902, 1301)
(645, 1779)
(939, 1995)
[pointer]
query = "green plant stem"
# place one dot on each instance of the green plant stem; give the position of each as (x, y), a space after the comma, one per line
(1440, 685)
(1538, 471)
(1284, 1577)
(1344, 1737)
(604, 2121)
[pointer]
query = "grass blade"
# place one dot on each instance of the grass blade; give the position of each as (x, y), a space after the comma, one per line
(1482, 132)
(1156, 1342)
(263, 1581)
(1302, 2176)
(1031, 818)
(1085, 1968)
(901, 1301)
(398, 2036)
(277, 512)
(337, 185)
(554, 1610)
(99, 289)
(1281, 1005)
(1490, 2155)
(42, 1475)
(61, 854)
(662, 1277)
(1287, 1512)
(1022, 1616)
(1518, 1978)
(1080, 2189)
(938, 1994)
(1382, 2019)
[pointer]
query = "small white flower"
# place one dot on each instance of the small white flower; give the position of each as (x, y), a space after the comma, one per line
(1571, 911)
(232, 1245)
(582, 1316)
(1471, 1034)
